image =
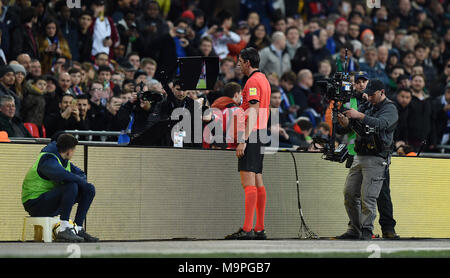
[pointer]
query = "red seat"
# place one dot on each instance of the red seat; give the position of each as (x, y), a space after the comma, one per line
(33, 129)
(44, 132)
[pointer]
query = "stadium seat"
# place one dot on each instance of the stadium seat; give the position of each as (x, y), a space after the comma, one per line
(42, 227)
(44, 132)
(33, 129)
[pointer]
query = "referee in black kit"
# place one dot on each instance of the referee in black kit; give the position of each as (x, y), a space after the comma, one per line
(255, 104)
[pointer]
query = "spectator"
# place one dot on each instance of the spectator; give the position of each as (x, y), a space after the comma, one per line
(325, 69)
(35, 69)
(128, 31)
(101, 59)
(7, 81)
(103, 30)
(23, 37)
(222, 35)
(402, 100)
(293, 41)
(227, 73)
(112, 108)
(64, 84)
(104, 77)
(119, 10)
(330, 28)
(68, 117)
(394, 74)
(274, 58)
(277, 129)
(441, 110)
(206, 47)
(151, 27)
(140, 76)
(367, 39)
(51, 98)
(75, 78)
(279, 24)
(175, 45)
(9, 122)
(353, 31)
(69, 28)
(372, 66)
(52, 45)
(3, 60)
(229, 108)
(383, 55)
(84, 37)
(352, 64)
(438, 85)
(25, 60)
(117, 78)
(235, 48)
(422, 59)
(341, 33)
(305, 81)
(129, 70)
(99, 97)
(60, 66)
(134, 59)
(259, 38)
(409, 60)
(263, 8)
(83, 108)
(253, 20)
(419, 118)
(405, 14)
(19, 84)
(33, 105)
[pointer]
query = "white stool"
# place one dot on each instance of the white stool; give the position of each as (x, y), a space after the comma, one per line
(46, 223)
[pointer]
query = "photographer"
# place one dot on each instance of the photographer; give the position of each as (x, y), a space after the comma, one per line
(373, 151)
(138, 114)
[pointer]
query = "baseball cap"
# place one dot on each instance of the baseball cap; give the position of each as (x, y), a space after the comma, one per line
(361, 74)
(373, 86)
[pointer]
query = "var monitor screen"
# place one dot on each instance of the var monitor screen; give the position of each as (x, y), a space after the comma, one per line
(198, 73)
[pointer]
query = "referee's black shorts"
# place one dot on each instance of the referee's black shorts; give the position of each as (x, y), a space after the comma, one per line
(252, 161)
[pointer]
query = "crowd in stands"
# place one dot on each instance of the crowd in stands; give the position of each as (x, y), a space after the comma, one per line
(64, 68)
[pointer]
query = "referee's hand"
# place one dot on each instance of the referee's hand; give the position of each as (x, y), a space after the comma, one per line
(240, 150)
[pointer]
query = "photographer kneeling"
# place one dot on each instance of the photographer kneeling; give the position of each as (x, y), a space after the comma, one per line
(374, 136)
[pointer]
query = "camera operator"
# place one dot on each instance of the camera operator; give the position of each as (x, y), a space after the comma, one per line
(374, 137)
(360, 102)
(137, 113)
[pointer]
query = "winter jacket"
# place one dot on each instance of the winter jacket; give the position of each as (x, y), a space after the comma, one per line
(271, 62)
(33, 105)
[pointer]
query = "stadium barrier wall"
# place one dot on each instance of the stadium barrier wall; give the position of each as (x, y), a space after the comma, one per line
(162, 193)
